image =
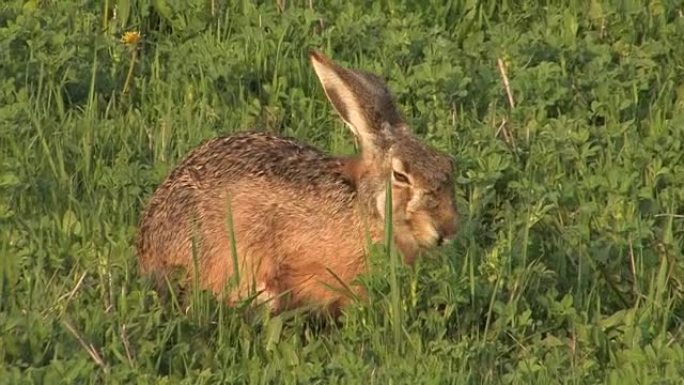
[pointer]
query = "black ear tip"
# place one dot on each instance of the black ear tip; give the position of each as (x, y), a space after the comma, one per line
(315, 54)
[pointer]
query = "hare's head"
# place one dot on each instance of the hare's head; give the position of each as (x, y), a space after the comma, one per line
(423, 210)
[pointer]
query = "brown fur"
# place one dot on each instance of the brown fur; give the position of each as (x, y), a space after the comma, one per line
(300, 217)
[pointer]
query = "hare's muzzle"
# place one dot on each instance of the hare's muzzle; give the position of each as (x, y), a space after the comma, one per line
(446, 231)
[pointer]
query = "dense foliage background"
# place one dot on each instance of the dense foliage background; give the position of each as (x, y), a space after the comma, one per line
(569, 263)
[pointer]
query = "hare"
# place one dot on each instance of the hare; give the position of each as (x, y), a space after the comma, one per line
(300, 219)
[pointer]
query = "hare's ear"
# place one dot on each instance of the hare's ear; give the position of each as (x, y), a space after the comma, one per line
(362, 100)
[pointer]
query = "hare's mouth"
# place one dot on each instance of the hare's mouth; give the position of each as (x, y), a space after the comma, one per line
(426, 234)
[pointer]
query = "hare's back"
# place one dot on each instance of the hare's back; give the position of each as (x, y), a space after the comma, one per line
(269, 158)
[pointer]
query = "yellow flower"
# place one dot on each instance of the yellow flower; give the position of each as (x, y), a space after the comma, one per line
(131, 38)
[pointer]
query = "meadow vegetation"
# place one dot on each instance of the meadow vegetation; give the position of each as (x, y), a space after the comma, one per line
(568, 267)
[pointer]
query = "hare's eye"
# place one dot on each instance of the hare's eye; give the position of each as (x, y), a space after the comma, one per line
(400, 178)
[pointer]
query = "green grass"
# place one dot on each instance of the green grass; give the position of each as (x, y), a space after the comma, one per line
(569, 264)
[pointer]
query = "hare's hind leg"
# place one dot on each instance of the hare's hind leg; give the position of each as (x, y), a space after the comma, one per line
(258, 280)
(254, 278)
(253, 273)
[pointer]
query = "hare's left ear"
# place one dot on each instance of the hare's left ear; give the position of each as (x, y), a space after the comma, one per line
(363, 101)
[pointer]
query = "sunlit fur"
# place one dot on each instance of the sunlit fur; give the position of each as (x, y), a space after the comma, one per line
(300, 217)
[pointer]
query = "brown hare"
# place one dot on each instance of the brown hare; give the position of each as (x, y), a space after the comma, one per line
(300, 219)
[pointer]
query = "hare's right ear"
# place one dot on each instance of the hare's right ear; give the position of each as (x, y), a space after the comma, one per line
(362, 100)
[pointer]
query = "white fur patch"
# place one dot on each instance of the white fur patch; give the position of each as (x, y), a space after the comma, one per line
(380, 201)
(429, 234)
(417, 196)
(398, 165)
(265, 296)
